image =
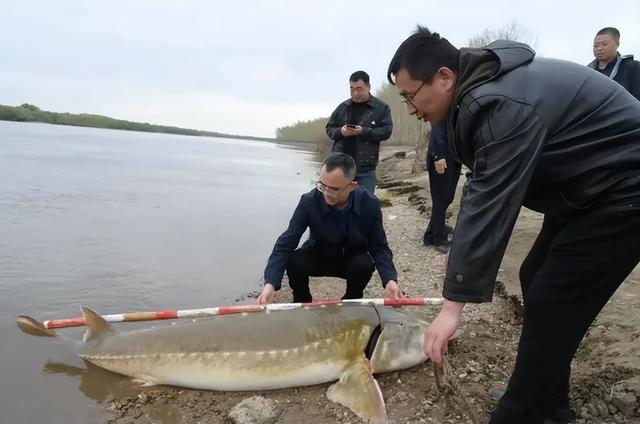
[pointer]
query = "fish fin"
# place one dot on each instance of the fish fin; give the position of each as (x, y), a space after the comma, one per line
(359, 391)
(34, 327)
(96, 325)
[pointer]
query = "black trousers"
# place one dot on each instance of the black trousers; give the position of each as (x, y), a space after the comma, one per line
(305, 262)
(573, 268)
(443, 191)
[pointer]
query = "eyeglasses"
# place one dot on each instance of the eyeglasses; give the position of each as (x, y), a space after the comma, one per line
(408, 98)
(329, 191)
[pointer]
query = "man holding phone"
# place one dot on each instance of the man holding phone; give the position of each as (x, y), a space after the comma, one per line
(357, 127)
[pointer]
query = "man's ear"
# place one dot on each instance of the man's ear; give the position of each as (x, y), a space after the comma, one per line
(446, 78)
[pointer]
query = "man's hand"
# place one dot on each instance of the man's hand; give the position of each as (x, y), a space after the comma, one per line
(437, 335)
(351, 132)
(393, 291)
(441, 166)
(267, 295)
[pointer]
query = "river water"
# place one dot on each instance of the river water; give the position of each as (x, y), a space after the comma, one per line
(123, 221)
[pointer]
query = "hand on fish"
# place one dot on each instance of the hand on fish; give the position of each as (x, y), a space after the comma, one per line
(393, 291)
(441, 329)
(267, 295)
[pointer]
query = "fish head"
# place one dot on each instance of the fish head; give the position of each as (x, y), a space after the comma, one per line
(399, 343)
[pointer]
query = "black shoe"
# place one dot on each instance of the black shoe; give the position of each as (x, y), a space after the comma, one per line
(427, 240)
(442, 247)
(559, 415)
(495, 394)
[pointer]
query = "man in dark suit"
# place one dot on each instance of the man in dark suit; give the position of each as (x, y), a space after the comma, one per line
(444, 173)
(346, 240)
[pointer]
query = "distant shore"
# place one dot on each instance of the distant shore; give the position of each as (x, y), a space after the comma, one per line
(30, 113)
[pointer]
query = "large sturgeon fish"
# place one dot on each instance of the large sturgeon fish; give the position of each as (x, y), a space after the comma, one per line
(268, 350)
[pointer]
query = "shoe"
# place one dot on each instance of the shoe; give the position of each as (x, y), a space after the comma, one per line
(560, 415)
(495, 394)
(442, 248)
(427, 240)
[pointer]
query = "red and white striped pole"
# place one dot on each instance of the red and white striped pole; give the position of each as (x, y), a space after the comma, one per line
(238, 309)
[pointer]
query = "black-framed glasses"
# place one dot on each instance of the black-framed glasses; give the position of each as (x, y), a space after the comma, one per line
(329, 191)
(408, 98)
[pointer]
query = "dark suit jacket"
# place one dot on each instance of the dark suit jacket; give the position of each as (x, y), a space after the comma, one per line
(366, 234)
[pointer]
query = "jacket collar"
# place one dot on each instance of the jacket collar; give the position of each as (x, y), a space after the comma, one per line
(355, 197)
(370, 102)
(619, 58)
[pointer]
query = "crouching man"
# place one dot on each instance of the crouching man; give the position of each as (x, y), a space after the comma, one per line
(347, 239)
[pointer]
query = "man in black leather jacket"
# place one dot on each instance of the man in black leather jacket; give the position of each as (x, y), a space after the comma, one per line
(557, 138)
(357, 127)
(622, 69)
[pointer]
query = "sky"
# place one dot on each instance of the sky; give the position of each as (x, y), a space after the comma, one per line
(250, 66)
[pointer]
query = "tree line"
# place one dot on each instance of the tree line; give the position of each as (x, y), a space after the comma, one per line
(31, 113)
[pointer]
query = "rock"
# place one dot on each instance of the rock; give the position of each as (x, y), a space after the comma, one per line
(400, 396)
(385, 202)
(255, 410)
(143, 398)
(593, 411)
(602, 408)
(625, 403)
(400, 155)
(404, 189)
(584, 413)
(387, 184)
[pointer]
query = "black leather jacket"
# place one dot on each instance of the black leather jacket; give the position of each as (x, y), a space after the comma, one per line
(377, 126)
(626, 72)
(551, 135)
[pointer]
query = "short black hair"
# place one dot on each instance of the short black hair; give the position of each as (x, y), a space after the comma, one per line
(341, 161)
(610, 31)
(359, 76)
(422, 54)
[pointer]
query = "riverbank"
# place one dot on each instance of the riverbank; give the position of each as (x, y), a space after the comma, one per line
(606, 372)
(31, 113)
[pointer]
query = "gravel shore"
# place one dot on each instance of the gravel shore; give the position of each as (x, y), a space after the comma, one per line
(606, 372)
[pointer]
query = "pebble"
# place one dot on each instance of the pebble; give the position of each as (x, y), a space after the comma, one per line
(255, 410)
(625, 403)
